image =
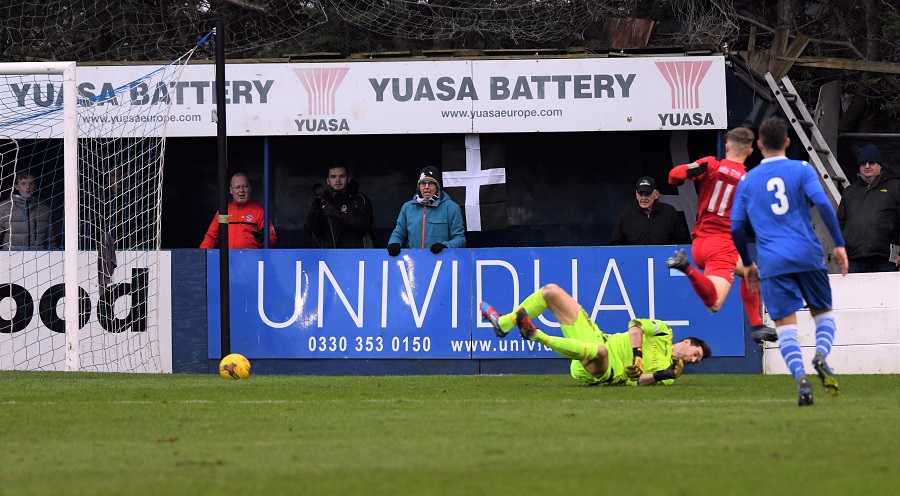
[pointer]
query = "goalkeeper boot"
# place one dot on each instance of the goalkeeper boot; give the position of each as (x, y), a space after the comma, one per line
(762, 333)
(523, 322)
(493, 317)
(805, 389)
(825, 373)
(678, 261)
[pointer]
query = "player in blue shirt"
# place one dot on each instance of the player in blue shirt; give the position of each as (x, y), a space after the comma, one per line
(774, 199)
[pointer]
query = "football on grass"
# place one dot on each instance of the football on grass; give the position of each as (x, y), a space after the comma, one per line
(234, 366)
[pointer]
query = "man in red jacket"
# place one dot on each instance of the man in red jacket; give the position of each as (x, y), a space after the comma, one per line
(245, 220)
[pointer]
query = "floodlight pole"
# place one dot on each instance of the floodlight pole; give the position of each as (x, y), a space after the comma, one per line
(224, 183)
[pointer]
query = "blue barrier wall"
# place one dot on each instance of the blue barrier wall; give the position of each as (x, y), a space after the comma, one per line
(321, 311)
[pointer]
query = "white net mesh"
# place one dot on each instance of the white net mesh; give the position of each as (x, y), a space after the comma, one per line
(123, 281)
(523, 20)
(128, 30)
(706, 23)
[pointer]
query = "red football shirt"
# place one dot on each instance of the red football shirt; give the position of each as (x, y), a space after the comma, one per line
(717, 186)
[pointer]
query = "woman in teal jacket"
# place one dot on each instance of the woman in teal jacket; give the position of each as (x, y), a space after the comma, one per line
(430, 220)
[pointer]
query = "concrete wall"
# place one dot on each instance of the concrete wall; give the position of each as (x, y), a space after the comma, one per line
(867, 338)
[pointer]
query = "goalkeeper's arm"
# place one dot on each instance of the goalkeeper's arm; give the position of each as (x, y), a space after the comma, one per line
(665, 377)
(635, 371)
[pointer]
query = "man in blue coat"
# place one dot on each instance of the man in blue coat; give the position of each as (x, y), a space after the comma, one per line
(430, 220)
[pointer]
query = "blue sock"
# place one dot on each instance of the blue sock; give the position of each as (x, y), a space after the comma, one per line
(790, 349)
(824, 332)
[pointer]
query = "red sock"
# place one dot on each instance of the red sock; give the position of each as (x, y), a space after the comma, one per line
(704, 288)
(751, 304)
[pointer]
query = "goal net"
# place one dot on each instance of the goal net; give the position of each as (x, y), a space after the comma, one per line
(81, 172)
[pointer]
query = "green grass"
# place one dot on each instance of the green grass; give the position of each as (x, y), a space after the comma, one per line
(94, 433)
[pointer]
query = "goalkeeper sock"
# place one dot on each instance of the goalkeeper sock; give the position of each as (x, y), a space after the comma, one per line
(583, 333)
(534, 305)
(704, 288)
(574, 349)
(824, 332)
(507, 321)
(790, 349)
(751, 304)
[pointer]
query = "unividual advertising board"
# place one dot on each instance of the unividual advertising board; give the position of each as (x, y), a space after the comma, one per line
(398, 97)
(364, 304)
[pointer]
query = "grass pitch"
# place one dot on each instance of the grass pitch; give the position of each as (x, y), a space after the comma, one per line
(95, 433)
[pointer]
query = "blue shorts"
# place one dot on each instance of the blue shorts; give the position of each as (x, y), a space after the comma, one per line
(784, 294)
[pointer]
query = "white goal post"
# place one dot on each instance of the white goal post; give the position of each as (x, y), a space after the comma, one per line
(70, 171)
(80, 191)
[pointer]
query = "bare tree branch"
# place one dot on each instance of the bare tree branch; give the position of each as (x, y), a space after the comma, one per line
(846, 44)
(244, 4)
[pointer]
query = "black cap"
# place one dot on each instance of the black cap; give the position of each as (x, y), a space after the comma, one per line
(645, 184)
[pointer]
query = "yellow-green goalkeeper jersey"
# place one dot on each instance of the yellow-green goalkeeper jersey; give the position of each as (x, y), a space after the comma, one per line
(657, 345)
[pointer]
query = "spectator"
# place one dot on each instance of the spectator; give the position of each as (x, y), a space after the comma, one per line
(869, 215)
(127, 211)
(245, 220)
(650, 222)
(340, 216)
(25, 223)
(430, 220)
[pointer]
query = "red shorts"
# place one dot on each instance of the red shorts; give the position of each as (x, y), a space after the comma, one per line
(716, 256)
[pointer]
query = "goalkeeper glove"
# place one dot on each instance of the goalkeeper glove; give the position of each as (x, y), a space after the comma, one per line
(635, 370)
(673, 372)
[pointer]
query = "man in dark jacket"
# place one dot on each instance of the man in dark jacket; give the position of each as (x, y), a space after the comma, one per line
(340, 216)
(869, 215)
(650, 222)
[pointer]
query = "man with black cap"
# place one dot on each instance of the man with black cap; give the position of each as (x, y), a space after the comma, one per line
(430, 220)
(869, 215)
(650, 222)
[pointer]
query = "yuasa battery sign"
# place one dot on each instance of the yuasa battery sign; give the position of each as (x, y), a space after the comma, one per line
(472, 96)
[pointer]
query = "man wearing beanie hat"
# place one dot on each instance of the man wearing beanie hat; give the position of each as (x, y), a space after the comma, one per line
(869, 215)
(649, 222)
(430, 220)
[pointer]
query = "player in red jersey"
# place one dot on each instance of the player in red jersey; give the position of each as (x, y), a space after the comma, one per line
(712, 247)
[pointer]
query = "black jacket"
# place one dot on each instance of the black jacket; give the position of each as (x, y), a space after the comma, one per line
(341, 220)
(664, 226)
(869, 216)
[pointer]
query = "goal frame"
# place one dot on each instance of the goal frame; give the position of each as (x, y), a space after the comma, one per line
(70, 191)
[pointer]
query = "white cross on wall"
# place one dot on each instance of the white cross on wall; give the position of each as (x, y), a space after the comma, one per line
(472, 178)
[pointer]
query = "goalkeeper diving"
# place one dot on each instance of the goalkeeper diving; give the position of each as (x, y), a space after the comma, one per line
(642, 356)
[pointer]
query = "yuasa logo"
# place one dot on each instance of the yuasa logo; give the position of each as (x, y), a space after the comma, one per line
(321, 85)
(684, 78)
(136, 320)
